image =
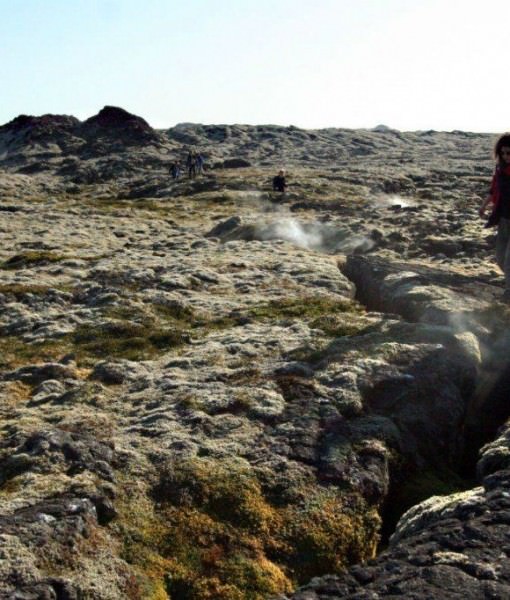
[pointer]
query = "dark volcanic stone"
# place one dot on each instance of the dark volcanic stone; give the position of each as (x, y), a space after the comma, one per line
(34, 374)
(10, 208)
(109, 373)
(56, 134)
(45, 450)
(45, 128)
(109, 132)
(236, 163)
(50, 589)
(35, 168)
(117, 122)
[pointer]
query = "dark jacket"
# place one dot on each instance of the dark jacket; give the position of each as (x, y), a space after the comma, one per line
(279, 183)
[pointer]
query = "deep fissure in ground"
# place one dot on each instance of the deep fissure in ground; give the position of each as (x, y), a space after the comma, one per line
(487, 409)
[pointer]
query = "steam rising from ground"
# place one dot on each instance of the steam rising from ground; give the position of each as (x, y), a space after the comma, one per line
(394, 200)
(315, 236)
(323, 237)
(292, 231)
(267, 220)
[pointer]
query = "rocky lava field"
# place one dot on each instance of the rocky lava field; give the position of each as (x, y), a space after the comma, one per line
(210, 391)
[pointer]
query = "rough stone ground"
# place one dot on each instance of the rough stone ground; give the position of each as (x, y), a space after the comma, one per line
(212, 392)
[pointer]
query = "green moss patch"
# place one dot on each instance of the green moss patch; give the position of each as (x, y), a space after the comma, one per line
(137, 333)
(221, 537)
(125, 339)
(304, 307)
(328, 532)
(340, 325)
(141, 532)
(15, 353)
(20, 291)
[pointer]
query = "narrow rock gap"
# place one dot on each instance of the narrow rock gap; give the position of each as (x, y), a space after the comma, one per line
(487, 409)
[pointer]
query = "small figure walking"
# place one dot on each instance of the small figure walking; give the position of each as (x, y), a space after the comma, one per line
(191, 164)
(175, 171)
(279, 183)
(499, 197)
(200, 163)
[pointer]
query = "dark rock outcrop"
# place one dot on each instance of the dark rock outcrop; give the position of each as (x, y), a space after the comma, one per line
(47, 450)
(417, 291)
(117, 125)
(236, 163)
(68, 146)
(47, 128)
(55, 527)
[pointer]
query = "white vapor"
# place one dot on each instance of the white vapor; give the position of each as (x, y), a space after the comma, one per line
(315, 236)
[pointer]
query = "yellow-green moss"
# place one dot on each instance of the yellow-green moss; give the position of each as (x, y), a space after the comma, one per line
(221, 490)
(215, 558)
(15, 353)
(225, 539)
(124, 339)
(20, 291)
(141, 532)
(329, 532)
(138, 334)
(302, 307)
(335, 325)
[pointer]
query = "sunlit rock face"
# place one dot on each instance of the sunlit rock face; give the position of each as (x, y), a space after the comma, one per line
(211, 390)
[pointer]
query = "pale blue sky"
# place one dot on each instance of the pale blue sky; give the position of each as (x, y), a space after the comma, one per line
(408, 64)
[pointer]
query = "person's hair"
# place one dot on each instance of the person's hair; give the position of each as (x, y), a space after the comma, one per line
(504, 140)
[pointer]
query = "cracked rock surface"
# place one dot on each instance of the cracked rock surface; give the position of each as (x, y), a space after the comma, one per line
(211, 391)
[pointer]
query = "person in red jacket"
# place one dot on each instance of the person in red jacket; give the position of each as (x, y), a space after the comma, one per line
(499, 197)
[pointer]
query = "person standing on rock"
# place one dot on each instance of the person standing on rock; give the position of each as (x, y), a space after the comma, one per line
(200, 163)
(175, 171)
(279, 183)
(191, 164)
(499, 197)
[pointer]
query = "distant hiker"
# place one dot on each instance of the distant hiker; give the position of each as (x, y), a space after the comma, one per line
(191, 164)
(200, 163)
(175, 171)
(499, 197)
(279, 183)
